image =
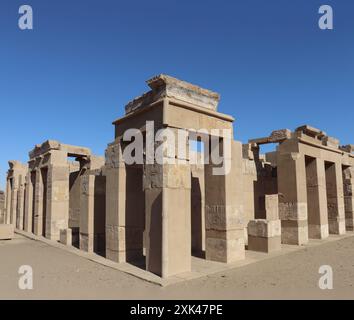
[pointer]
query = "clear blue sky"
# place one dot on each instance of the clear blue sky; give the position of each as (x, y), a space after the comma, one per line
(71, 76)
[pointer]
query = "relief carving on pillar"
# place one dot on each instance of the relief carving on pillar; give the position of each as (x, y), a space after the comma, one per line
(292, 211)
(114, 157)
(221, 216)
(85, 185)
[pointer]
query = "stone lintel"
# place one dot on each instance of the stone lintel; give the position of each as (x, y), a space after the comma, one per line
(75, 151)
(47, 146)
(173, 113)
(276, 136)
(259, 141)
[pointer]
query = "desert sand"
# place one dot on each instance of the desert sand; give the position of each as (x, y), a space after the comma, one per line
(61, 275)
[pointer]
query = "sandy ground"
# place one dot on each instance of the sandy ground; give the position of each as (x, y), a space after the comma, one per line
(62, 275)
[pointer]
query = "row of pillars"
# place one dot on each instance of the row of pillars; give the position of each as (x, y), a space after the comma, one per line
(38, 198)
(315, 200)
(165, 205)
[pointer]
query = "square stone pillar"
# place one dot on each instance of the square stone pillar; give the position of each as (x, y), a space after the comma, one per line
(168, 218)
(264, 235)
(2, 208)
(13, 201)
(225, 240)
(57, 211)
(8, 202)
(66, 237)
(115, 204)
(348, 180)
(335, 198)
(198, 209)
(87, 202)
(316, 198)
(7, 231)
(293, 198)
(38, 204)
(20, 203)
(272, 207)
(29, 204)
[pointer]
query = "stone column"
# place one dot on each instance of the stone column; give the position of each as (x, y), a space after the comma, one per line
(115, 204)
(224, 210)
(14, 197)
(316, 199)
(198, 209)
(20, 203)
(57, 211)
(348, 180)
(8, 202)
(265, 234)
(87, 202)
(38, 204)
(168, 218)
(2, 208)
(293, 198)
(29, 204)
(335, 198)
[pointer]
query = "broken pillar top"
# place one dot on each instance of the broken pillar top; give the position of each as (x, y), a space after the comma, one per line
(330, 142)
(164, 86)
(72, 151)
(348, 148)
(14, 165)
(319, 135)
(311, 131)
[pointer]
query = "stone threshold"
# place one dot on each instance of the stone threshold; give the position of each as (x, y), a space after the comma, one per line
(200, 267)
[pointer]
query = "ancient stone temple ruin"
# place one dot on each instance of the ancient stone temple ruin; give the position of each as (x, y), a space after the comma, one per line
(165, 212)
